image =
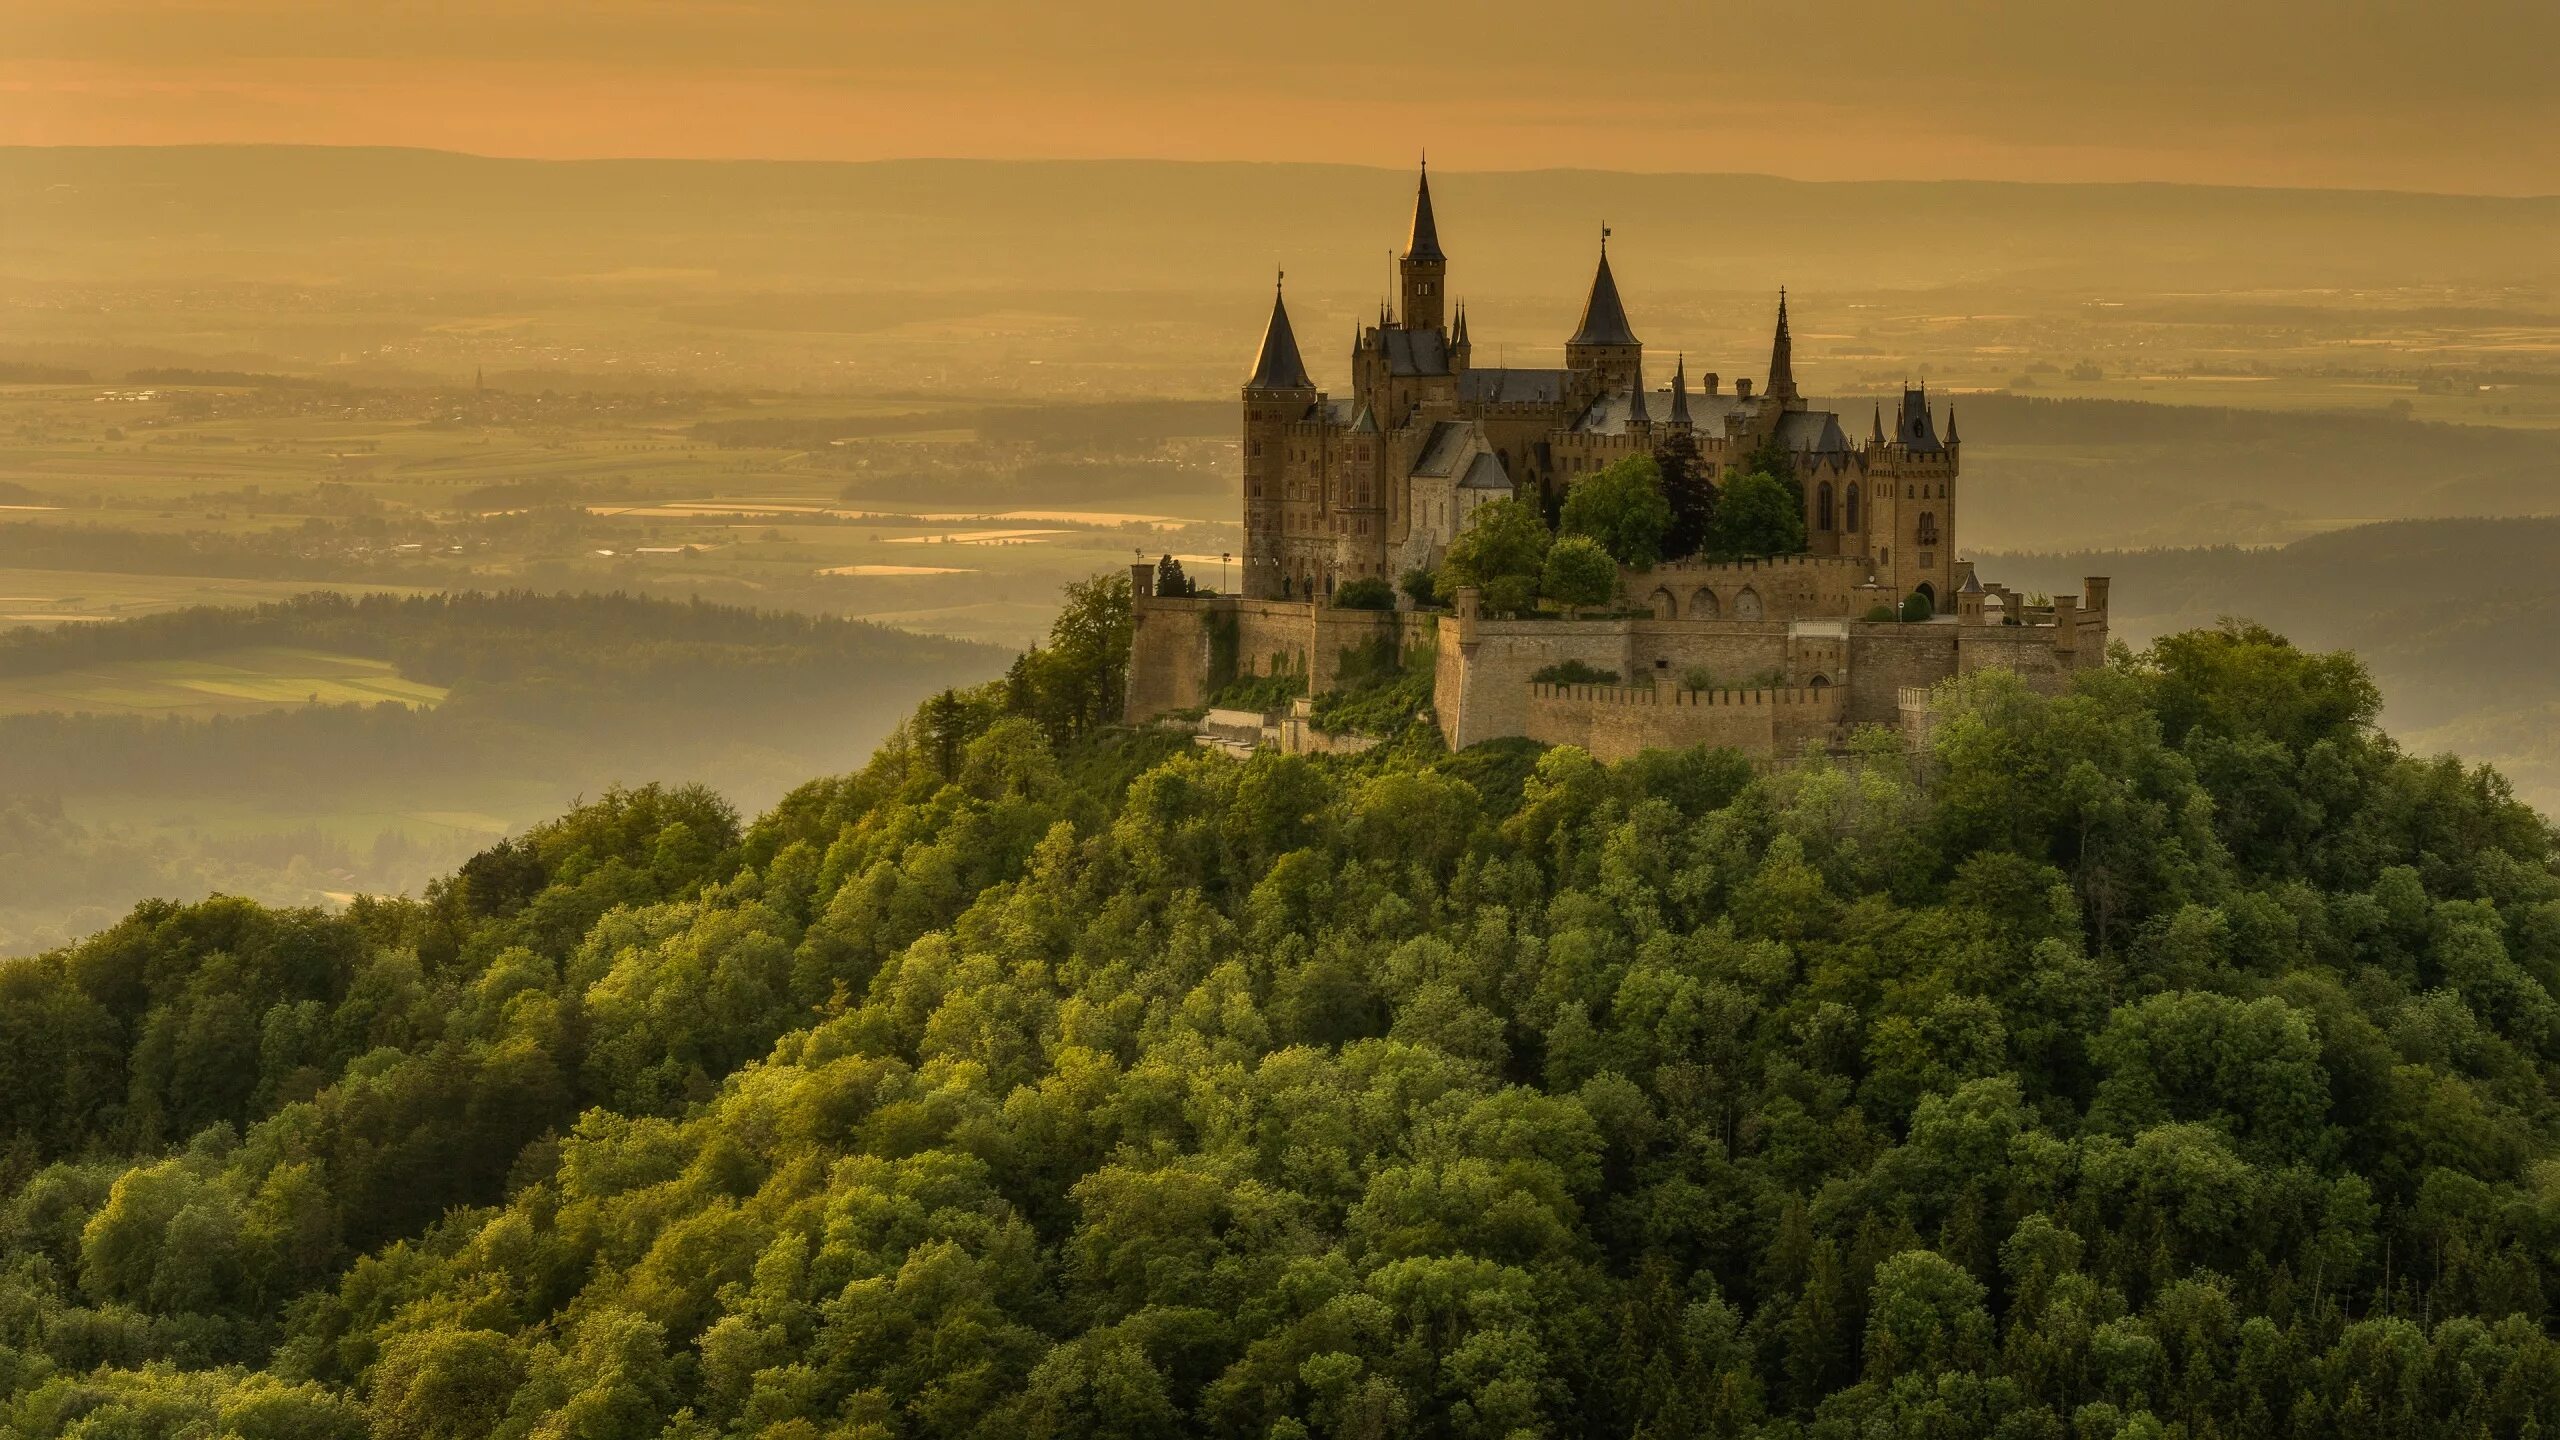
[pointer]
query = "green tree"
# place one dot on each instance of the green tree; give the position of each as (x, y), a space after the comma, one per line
(1622, 507)
(1579, 573)
(1758, 515)
(1690, 491)
(1502, 552)
(1366, 593)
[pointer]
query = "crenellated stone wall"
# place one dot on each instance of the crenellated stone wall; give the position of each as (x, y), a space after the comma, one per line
(1616, 721)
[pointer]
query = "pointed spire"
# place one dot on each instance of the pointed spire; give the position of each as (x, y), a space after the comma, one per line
(1951, 424)
(1604, 316)
(1460, 337)
(1424, 243)
(1782, 356)
(1278, 367)
(1680, 391)
(1636, 413)
(1879, 435)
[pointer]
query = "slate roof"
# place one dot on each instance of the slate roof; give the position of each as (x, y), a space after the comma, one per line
(1485, 473)
(1815, 430)
(1440, 452)
(1604, 316)
(1425, 241)
(1278, 367)
(1916, 430)
(1415, 352)
(1513, 387)
(1611, 414)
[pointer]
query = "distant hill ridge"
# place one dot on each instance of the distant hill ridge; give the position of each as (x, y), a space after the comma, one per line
(110, 210)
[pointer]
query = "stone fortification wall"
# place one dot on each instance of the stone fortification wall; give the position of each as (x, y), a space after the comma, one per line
(1781, 587)
(1616, 721)
(1181, 650)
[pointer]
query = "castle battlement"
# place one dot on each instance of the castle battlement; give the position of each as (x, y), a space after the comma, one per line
(1680, 697)
(1718, 569)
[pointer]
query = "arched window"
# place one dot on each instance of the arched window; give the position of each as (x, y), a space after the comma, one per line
(1851, 512)
(1822, 507)
(1928, 527)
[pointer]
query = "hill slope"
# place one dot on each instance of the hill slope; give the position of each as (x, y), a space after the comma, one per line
(2172, 1058)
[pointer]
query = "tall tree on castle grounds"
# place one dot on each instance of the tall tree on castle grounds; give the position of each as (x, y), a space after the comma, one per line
(1502, 552)
(1757, 514)
(1690, 493)
(2167, 1057)
(1622, 507)
(1578, 573)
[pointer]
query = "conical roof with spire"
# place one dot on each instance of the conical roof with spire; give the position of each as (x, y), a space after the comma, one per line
(1680, 391)
(1424, 243)
(1278, 367)
(1782, 357)
(1604, 316)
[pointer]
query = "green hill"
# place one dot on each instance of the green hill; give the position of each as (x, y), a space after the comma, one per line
(2169, 1059)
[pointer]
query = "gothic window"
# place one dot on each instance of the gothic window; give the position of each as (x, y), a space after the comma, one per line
(1928, 527)
(1822, 507)
(1908, 493)
(1852, 512)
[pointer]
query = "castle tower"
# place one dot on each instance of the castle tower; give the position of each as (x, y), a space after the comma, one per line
(1605, 343)
(1782, 362)
(1424, 270)
(1680, 393)
(1275, 398)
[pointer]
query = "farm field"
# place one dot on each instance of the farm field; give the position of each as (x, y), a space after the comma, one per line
(232, 682)
(32, 596)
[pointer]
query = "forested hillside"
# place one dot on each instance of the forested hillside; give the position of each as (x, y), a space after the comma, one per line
(2172, 1058)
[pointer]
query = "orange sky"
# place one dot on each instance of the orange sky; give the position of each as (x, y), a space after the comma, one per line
(2459, 95)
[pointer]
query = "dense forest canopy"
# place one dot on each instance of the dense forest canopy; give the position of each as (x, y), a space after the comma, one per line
(2168, 1058)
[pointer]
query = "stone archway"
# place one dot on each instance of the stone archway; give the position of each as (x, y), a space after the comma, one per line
(1704, 605)
(1927, 592)
(1663, 605)
(1746, 606)
(1820, 682)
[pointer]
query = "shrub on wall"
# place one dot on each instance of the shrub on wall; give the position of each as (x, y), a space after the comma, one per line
(1366, 593)
(1915, 606)
(1574, 672)
(1421, 587)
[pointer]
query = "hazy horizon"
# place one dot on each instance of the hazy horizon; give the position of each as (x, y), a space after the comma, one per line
(2279, 93)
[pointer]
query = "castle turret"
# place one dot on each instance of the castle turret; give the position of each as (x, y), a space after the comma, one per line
(1278, 366)
(1424, 270)
(1680, 392)
(1604, 342)
(1275, 398)
(1461, 350)
(1782, 362)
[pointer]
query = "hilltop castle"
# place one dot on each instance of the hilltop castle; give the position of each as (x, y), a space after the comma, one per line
(1769, 655)
(1379, 482)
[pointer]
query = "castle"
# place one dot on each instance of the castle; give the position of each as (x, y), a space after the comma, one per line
(1790, 648)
